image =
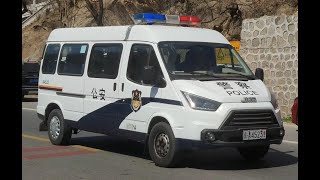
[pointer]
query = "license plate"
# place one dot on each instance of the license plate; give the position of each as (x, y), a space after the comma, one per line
(33, 81)
(254, 134)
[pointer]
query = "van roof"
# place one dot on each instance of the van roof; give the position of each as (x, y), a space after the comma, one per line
(150, 33)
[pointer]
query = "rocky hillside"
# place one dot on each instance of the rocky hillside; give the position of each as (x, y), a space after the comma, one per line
(223, 15)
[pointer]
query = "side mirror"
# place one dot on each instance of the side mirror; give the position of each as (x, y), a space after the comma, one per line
(259, 74)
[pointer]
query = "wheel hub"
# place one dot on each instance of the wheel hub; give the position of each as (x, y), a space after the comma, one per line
(162, 144)
(55, 127)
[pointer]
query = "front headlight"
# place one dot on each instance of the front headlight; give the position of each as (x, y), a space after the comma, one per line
(201, 103)
(274, 101)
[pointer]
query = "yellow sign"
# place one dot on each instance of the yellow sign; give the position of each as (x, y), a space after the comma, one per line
(223, 56)
(236, 45)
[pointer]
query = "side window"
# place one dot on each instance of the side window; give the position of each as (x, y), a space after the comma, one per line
(104, 61)
(50, 58)
(72, 59)
(142, 56)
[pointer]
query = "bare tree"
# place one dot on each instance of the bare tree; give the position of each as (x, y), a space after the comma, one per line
(96, 10)
(71, 18)
(68, 9)
(24, 5)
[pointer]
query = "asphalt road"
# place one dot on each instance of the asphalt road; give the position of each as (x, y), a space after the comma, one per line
(94, 156)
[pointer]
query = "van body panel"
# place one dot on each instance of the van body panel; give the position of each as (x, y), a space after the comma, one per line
(126, 102)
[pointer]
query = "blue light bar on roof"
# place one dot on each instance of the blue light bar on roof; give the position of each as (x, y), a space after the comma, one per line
(149, 18)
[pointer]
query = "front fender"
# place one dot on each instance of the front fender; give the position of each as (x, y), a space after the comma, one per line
(171, 120)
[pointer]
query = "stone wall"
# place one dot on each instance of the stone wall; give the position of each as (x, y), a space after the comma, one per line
(271, 43)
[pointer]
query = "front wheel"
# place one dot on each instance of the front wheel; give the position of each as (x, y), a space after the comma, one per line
(253, 153)
(162, 146)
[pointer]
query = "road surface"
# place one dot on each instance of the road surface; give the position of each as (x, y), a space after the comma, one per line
(94, 156)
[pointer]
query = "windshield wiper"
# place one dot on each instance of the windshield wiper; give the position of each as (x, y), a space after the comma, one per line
(242, 75)
(205, 73)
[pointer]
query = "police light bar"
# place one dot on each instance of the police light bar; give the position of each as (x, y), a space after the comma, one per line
(193, 20)
(150, 18)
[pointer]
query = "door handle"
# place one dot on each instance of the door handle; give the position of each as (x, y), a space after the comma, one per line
(114, 86)
(122, 87)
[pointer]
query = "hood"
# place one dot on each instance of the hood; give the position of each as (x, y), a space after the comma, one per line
(225, 91)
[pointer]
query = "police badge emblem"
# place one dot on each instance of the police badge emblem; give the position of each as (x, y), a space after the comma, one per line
(136, 100)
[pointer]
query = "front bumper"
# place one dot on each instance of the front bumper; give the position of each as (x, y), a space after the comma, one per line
(232, 138)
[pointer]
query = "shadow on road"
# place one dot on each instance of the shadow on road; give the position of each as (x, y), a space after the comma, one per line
(112, 144)
(230, 159)
(216, 159)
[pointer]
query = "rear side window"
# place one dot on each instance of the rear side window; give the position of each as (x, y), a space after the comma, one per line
(72, 59)
(104, 61)
(50, 59)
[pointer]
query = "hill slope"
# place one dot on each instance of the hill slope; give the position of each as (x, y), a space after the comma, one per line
(223, 15)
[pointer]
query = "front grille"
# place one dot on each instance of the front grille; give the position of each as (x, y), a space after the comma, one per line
(250, 118)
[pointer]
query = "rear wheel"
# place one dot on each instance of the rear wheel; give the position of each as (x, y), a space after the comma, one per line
(58, 131)
(162, 146)
(253, 153)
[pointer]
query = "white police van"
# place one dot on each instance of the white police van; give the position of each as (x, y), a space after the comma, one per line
(175, 88)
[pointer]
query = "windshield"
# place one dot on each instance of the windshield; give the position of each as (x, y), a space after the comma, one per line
(185, 60)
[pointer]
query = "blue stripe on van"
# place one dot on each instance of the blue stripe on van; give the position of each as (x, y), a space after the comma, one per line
(107, 119)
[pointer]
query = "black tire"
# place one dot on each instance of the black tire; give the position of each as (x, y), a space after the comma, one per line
(172, 157)
(253, 153)
(65, 132)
